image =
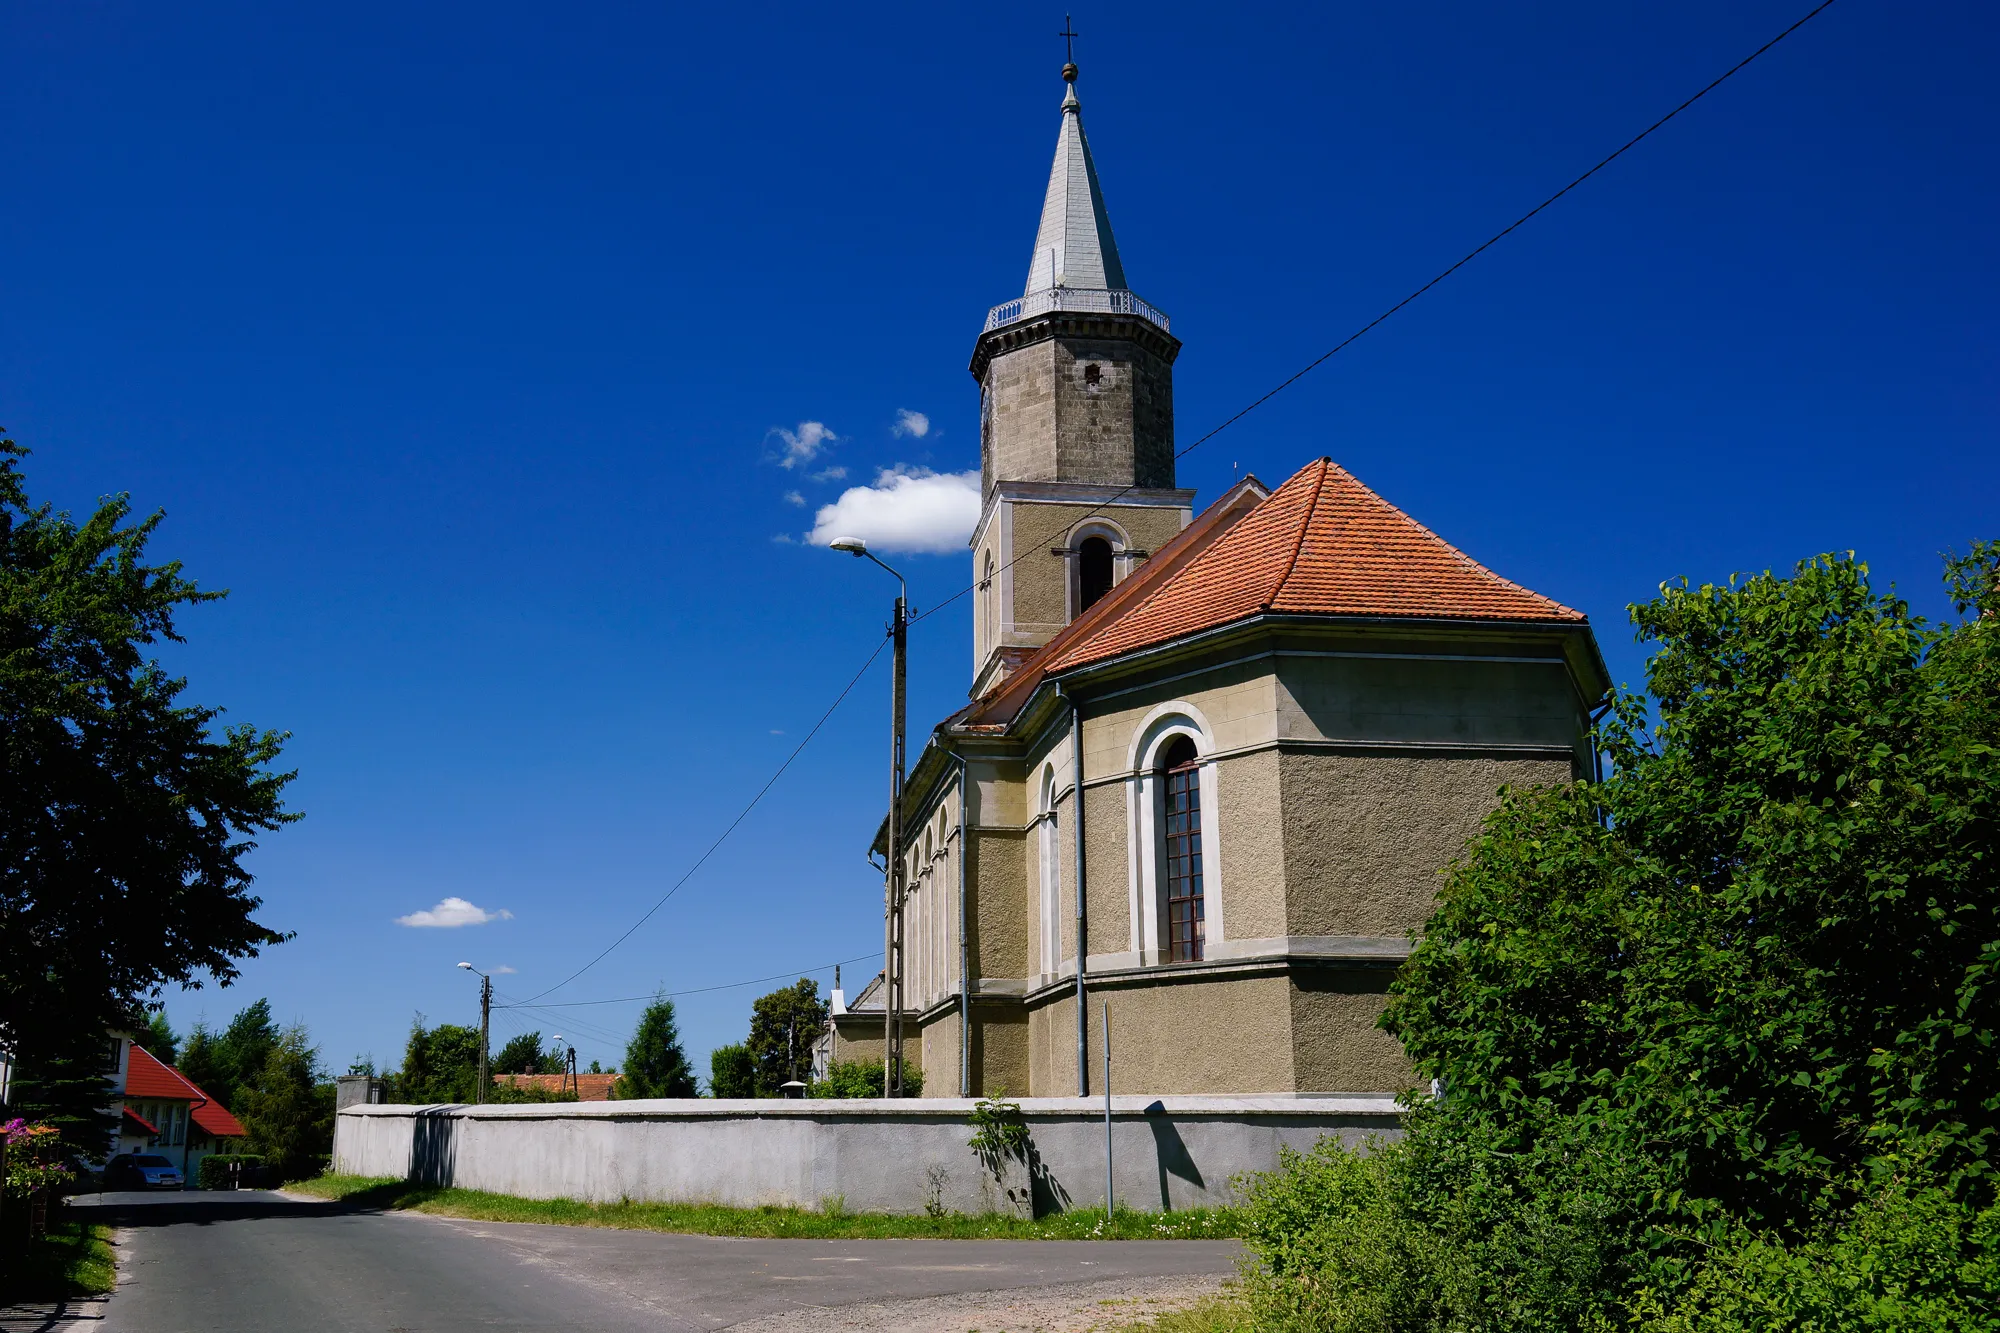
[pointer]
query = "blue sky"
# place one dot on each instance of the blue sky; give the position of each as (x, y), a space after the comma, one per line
(457, 342)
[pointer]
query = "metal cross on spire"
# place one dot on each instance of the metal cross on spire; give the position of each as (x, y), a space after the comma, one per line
(1069, 37)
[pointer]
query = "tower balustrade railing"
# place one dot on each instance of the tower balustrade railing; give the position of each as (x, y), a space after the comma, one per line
(1093, 299)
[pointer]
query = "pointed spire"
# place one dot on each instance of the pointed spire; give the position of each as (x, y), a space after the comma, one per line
(1074, 247)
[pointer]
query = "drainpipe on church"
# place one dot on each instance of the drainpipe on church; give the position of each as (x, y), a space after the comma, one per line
(1082, 922)
(964, 935)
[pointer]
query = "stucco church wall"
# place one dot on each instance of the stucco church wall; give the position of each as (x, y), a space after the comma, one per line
(1002, 904)
(1411, 699)
(1223, 1034)
(1365, 836)
(1041, 580)
(1252, 854)
(940, 1054)
(1336, 1044)
(1109, 914)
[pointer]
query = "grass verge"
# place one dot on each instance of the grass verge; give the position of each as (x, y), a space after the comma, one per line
(74, 1259)
(830, 1223)
(1218, 1314)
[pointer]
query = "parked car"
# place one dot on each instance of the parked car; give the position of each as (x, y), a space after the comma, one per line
(142, 1171)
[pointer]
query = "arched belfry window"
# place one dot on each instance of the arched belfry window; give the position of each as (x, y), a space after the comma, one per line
(1181, 824)
(1093, 559)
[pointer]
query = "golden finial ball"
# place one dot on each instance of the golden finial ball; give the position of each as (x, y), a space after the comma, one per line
(1069, 72)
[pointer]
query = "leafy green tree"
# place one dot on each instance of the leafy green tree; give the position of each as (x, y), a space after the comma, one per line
(204, 1063)
(524, 1055)
(1696, 1014)
(440, 1064)
(784, 1025)
(731, 1072)
(655, 1064)
(125, 814)
(288, 1114)
(160, 1040)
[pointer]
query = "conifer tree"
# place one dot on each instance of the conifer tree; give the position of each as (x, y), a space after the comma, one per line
(655, 1064)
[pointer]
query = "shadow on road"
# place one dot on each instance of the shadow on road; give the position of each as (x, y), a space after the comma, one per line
(205, 1208)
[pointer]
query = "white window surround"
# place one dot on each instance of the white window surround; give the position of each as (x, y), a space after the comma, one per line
(1049, 872)
(1142, 805)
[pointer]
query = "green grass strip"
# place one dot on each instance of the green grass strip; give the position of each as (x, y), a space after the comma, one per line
(828, 1223)
(74, 1259)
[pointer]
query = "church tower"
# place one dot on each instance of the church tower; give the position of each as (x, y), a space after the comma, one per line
(1076, 425)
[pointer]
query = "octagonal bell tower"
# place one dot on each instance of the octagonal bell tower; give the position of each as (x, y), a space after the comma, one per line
(1076, 424)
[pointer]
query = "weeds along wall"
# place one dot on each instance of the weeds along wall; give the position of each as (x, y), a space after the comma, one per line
(864, 1156)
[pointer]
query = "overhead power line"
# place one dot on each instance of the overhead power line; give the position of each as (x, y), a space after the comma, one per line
(1461, 262)
(697, 990)
(723, 836)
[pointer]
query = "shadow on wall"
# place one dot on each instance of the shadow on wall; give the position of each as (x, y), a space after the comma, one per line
(1174, 1158)
(433, 1147)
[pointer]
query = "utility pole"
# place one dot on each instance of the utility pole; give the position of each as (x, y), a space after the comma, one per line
(892, 934)
(485, 1019)
(892, 1082)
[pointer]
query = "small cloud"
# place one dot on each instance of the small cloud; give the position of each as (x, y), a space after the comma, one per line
(777, 731)
(503, 971)
(910, 425)
(907, 509)
(794, 498)
(829, 474)
(452, 913)
(802, 445)
(784, 539)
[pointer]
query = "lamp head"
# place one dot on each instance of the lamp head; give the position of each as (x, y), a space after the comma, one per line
(851, 545)
(466, 966)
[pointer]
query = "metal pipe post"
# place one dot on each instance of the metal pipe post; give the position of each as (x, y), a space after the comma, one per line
(1082, 894)
(1110, 1198)
(485, 1019)
(892, 1074)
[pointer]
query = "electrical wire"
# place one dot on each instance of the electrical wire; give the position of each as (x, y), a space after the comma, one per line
(723, 836)
(698, 990)
(1355, 336)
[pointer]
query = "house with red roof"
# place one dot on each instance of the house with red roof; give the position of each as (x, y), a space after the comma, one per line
(1215, 760)
(160, 1110)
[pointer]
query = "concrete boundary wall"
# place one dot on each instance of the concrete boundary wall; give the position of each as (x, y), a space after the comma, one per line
(871, 1155)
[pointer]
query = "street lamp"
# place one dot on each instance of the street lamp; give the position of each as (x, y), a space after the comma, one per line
(485, 1014)
(892, 971)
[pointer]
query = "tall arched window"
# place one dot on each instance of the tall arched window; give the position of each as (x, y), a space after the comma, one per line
(1181, 811)
(1093, 574)
(989, 607)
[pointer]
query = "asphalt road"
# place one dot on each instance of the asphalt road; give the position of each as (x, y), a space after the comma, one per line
(257, 1262)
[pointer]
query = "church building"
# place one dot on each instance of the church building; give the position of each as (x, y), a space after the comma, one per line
(1214, 761)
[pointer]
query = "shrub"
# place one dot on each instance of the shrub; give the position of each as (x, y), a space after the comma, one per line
(863, 1078)
(221, 1171)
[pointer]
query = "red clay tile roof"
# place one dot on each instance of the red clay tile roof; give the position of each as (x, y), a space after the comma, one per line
(1323, 544)
(142, 1122)
(146, 1076)
(589, 1087)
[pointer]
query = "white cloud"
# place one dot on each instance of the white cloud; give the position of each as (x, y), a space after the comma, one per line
(794, 498)
(907, 509)
(453, 912)
(910, 424)
(802, 445)
(503, 971)
(829, 474)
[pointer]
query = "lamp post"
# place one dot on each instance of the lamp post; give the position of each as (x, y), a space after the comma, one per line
(485, 1016)
(892, 971)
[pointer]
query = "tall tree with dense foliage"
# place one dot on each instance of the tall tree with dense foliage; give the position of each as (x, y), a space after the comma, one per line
(160, 1039)
(440, 1064)
(655, 1064)
(125, 814)
(1717, 1022)
(731, 1072)
(289, 1113)
(524, 1054)
(784, 1025)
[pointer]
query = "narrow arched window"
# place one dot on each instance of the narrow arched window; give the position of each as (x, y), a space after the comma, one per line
(1181, 799)
(1093, 572)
